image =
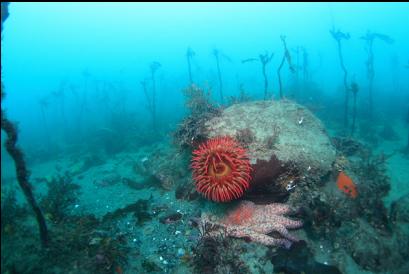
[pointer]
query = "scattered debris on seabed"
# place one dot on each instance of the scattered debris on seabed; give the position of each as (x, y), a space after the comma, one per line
(138, 212)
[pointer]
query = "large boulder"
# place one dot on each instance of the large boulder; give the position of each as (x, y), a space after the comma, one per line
(284, 140)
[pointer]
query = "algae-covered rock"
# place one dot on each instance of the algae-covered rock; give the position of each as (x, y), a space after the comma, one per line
(281, 137)
(400, 210)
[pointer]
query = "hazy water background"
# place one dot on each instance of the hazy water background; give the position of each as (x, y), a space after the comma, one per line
(49, 45)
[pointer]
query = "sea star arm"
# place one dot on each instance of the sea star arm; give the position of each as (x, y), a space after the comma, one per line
(288, 223)
(277, 209)
(267, 228)
(246, 233)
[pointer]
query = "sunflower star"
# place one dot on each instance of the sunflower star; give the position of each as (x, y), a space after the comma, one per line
(254, 222)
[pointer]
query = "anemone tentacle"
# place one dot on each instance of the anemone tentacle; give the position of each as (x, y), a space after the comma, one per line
(221, 169)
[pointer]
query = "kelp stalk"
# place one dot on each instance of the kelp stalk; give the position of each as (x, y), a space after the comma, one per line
(189, 55)
(264, 60)
(154, 67)
(18, 158)
(369, 38)
(216, 55)
(338, 36)
(407, 123)
(23, 174)
(354, 89)
(149, 102)
(286, 56)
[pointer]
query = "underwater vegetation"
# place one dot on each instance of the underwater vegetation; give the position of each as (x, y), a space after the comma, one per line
(11, 212)
(354, 88)
(201, 108)
(339, 36)
(62, 195)
(23, 174)
(189, 55)
(151, 96)
(76, 241)
(286, 57)
(264, 60)
(216, 254)
(369, 39)
(16, 153)
(218, 55)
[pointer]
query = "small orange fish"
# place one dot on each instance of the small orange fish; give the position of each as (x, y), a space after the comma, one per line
(345, 184)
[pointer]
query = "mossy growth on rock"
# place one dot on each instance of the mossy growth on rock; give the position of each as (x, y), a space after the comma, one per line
(200, 108)
(61, 197)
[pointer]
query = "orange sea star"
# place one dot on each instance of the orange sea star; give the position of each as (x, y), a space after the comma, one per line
(255, 222)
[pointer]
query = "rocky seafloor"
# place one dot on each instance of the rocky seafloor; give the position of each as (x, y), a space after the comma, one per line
(133, 212)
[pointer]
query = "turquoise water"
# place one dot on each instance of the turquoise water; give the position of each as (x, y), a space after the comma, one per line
(111, 99)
